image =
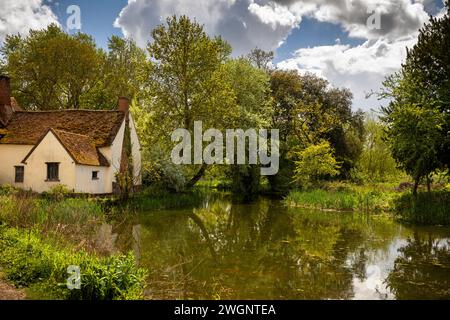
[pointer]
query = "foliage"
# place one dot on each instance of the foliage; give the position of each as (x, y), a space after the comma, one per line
(7, 190)
(413, 135)
(51, 69)
(57, 192)
(315, 162)
(187, 82)
(376, 163)
(418, 118)
(32, 262)
(251, 87)
(344, 200)
(427, 208)
(75, 220)
(124, 72)
(307, 110)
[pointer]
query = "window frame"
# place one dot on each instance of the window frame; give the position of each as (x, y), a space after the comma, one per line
(16, 176)
(49, 178)
(95, 175)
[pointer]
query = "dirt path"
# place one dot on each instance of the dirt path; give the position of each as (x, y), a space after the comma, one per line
(9, 292)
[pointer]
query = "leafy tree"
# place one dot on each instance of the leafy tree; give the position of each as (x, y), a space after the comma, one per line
(414, 132)
(51, 69)
(376, 162)
(251, 87)
(420, 95)
(315, 162)
(187, 81)
(124, 72)
(307, 111)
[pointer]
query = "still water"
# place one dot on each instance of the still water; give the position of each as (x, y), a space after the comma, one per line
(264, 250)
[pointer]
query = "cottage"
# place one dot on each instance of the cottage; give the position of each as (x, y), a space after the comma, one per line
(84, 150)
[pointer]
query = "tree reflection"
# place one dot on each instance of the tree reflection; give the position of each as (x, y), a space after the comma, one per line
(422, 271)
(257, 251)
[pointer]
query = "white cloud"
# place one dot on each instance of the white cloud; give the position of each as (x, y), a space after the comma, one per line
(361, 68)
(398, 17)
(245, 24)
(21, 16)
(275, 15)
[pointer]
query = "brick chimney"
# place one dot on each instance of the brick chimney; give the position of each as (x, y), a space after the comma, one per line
(124, 105)
(6, 110)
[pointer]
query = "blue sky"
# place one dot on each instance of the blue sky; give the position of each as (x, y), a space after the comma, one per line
(332, 39)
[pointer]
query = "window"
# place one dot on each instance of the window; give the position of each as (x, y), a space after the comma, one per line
(95, 175)
(20, 170)
(52, 171)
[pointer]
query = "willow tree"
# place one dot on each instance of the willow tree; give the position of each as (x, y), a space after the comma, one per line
(187, 82)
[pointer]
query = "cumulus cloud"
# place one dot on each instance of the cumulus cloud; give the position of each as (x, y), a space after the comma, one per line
(361, 68)
(245, 24)
(398, 18)
(21, 16)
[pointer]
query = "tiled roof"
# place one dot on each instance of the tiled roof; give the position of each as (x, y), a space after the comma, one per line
(28, 127)
(80, 147)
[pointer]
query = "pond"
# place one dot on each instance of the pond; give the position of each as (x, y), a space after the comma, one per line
(264, 250)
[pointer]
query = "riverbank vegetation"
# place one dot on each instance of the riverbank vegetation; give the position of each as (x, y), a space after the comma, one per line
(40, 236)
(332, 157)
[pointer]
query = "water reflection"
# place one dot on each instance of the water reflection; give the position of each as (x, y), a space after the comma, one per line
(266, 251)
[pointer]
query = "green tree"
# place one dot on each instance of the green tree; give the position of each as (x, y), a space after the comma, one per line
(251, 87)
(376, 162)
(315, 162)
(307, 110)
(51, 69)
(124, 72)
(187, 81)
(414, 132)
(420, 95)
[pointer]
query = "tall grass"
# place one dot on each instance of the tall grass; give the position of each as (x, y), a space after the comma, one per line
(427, 208)
(341, 200)
(40, 265)
(69, 219)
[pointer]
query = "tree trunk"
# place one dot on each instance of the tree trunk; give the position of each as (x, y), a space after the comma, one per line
(197, 176)
(428, 184)
(416, 186)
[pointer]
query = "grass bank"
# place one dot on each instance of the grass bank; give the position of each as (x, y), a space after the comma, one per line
(350, 198)
(428, 208)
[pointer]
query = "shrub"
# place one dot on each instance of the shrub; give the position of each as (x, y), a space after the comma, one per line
(7, 190)
(57, 192)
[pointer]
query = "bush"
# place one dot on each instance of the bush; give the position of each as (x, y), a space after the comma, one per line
(428, 208)
(57, 193)
(28, 261)
(7, 190)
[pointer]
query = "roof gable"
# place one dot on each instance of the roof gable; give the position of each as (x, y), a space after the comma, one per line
(81, 148)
